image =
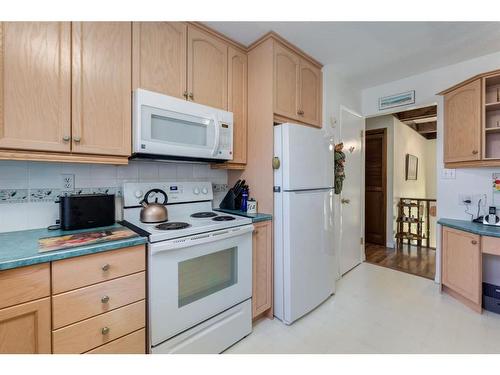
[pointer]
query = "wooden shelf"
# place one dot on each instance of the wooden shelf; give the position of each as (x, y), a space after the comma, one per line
(492, 106)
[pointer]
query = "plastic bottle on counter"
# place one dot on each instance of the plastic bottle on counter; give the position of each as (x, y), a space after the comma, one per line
(244, 200)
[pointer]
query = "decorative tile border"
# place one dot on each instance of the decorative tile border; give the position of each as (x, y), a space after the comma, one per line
(13, 196)
(35, 195)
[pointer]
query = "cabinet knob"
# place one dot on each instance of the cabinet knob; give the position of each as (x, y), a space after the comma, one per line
(105, 330)
(300, 112)
(66, 138)
(474, 152)
(185, 95)
(191, 96)
(474, 242)
(77, 139)
(105, 299)
(105, 267)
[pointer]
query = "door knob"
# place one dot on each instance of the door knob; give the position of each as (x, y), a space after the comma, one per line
(276, 162)
(345, 201)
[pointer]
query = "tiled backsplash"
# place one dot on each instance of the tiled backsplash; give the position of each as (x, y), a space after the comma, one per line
(28, 189)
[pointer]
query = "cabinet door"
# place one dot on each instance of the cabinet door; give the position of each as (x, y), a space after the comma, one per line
(207, 69)
(462, 123)
(25, 329)
(461, 264)
(35, 85)
(237, 102)
(262, 296)
(159, 57)
(286, 82)
(102, 54)
(310, 96)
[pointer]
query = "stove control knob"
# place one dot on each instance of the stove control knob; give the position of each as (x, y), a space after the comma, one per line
(204, 190)
(138, 194)
(196, 191)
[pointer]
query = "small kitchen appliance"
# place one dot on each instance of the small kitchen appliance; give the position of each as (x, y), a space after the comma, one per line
(490, 219)
(304, 261)
(199, 269)
(86, 211)
(169, 128)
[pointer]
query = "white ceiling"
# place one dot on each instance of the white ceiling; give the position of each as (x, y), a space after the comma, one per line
(371, 53)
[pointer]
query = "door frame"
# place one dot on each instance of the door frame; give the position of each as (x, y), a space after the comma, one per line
(343, 108)
(382, 131)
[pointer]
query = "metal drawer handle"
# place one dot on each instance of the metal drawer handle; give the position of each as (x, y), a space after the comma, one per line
(105, 330)
(105, 267)
(105, 299)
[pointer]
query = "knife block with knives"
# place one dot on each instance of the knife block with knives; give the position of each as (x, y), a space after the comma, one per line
(232, 200)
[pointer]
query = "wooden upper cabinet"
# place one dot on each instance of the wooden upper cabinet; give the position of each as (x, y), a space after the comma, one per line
(286, 82)
(461, 264)
(310, 96)
(25, 328)
(237, 102)
(35, 85)
(462, 123)
(206, 69)
(102, 54)
(159, 57)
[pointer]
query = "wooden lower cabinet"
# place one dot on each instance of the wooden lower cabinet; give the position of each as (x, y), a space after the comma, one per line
(25, 328)
(97, 305)
(462, 266)
(262, 261)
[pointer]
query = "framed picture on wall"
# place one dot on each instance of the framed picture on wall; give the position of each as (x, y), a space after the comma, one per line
(411, 167)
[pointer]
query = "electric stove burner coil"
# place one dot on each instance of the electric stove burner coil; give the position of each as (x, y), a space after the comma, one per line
(203, 215)
(223, 218)
(172, 226)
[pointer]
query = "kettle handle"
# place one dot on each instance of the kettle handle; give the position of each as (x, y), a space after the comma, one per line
(146, 197)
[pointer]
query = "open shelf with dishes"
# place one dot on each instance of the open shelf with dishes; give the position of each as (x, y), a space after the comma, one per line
(491, 134)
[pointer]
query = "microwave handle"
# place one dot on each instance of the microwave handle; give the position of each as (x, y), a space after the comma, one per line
(217, 135)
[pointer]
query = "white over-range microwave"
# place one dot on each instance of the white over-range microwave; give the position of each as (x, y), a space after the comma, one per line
(175, 129)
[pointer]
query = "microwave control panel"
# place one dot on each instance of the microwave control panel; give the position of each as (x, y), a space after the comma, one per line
(226, 140)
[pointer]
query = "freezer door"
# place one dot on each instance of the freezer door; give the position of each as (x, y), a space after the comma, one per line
(307, 251)
(307, 157)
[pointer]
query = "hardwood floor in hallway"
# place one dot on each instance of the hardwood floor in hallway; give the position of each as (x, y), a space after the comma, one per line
(414, 260)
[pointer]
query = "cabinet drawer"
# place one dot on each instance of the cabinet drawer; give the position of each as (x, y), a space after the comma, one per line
(135, 343)
(79, 304)
(24, 284)
(88, 334)
(78, 272)
(490, 245)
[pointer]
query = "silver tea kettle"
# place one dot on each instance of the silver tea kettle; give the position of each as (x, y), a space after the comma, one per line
(154, 212)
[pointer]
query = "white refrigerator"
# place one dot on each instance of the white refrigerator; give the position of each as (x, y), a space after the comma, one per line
(304, 260)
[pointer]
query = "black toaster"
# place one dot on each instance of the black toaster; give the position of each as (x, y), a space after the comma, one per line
(86, 211)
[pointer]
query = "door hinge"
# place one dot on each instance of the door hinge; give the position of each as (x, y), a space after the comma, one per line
(361, 133)
(361, 241)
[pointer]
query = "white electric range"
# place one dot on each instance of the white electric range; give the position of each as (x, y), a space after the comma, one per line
(199, 269)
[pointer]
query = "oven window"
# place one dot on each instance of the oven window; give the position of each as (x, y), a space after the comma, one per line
(202, 276)
(173, 130)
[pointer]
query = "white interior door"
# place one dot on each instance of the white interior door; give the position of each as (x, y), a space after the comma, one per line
(351, 199)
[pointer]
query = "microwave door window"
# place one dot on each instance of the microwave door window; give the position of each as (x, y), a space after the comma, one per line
(179, 131)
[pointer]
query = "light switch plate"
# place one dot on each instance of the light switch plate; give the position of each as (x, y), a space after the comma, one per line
(448, 174)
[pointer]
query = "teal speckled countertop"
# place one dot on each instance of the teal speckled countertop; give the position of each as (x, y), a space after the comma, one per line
(255, 217)
(471, 227)
(18, 249)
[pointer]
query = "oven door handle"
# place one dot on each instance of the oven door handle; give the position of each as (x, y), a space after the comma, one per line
(199, 239)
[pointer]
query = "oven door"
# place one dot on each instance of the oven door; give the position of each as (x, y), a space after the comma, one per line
(192, 279)
(170, 133)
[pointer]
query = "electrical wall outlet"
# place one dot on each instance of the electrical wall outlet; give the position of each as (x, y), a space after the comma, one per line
(68, 182)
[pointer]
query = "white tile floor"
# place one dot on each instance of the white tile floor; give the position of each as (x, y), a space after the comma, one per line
(378, 310)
